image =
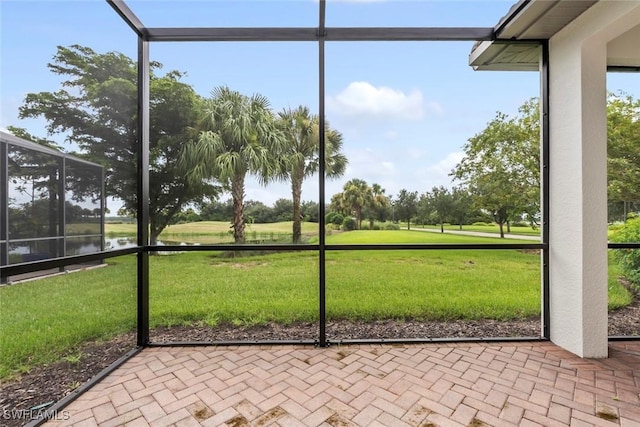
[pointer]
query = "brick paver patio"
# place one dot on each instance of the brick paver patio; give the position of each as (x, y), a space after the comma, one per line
(494, 384)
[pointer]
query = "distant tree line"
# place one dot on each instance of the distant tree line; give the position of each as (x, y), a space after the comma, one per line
(254, 212)
(204, 147)
(441, 206)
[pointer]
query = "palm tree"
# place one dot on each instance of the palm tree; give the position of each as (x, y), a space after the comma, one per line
(356, 195)
(377, 203)
(300, 158)
(239, 136)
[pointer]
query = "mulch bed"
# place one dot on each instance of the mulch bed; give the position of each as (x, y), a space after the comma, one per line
(51, 383)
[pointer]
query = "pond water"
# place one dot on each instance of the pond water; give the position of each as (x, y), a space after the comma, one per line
(111, 243)
(44, 249)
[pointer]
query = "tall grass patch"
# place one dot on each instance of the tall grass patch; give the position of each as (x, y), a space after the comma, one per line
(433, 285)
(244, 290)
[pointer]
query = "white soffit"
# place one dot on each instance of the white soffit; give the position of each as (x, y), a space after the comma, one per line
(527, 20)
(624, 51)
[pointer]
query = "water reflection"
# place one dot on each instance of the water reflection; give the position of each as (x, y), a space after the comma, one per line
(114, 243)
(40, 249)
(111, 244)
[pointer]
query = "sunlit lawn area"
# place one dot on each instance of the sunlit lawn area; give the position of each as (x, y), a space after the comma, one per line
(214, 231)
(491, 228)
(44, 319)
(360, 284)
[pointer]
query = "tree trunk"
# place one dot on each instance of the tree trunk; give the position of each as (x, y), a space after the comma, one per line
(409, 224)
(153, 235)
(508, 226)
(237, 193)
(370, 224)
(296, 192)
(624, 208)
(501, 224)
(154, 232)
(158, 222)
(153, 239)
(460, 225)
(442, 226)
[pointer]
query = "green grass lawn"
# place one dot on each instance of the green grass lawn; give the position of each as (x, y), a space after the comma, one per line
(411, 236)
(493, 229)
(43, 319)
(46, 319)
(120, 229)
(204, 228)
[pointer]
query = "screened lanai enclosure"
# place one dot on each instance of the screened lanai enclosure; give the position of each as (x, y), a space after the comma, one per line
(52, 205)
(294, 172)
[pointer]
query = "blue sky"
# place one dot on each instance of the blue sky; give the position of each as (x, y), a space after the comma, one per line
(405, 109)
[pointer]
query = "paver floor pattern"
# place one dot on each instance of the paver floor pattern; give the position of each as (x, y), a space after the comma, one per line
(504, 384)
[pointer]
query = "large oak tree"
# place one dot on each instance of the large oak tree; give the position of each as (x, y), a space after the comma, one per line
(501, 166)
(96, 111)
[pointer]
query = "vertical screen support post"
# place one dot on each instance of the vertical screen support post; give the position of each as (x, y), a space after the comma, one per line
(545, 146)
(321, 177)
(142, 150)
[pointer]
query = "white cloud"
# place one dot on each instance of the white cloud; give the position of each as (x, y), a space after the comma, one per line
(365, 100)
(366, 163)
(444, 166)
(438, 173)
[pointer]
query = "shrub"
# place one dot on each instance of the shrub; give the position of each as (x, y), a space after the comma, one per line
(376, 226)
(481, 223)
(348, 224)
(391, 226)
(616, 226)
(335, 218)
(629, 259)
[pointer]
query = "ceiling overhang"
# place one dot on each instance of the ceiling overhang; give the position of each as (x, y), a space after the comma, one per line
(517, 35)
